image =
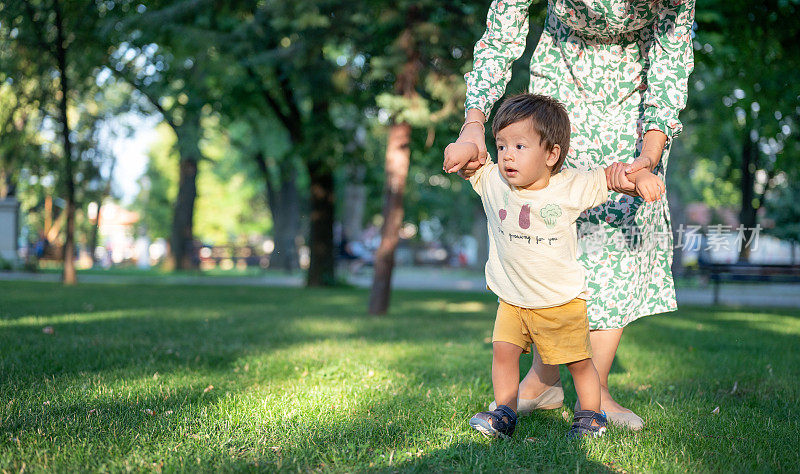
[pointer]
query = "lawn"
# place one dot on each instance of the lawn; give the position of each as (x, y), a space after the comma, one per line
(189, 378)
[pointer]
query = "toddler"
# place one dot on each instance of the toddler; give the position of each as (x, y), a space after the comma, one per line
(531, 205)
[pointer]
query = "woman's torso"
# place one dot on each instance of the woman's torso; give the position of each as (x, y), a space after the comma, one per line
(604, 18)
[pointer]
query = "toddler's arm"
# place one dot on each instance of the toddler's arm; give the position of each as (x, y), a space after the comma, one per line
(456, 155)
(648, 186)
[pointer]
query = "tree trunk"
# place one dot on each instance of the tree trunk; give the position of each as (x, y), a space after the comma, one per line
(398, 156)
(182, 240)
(68, 275)
(182, 251)
(747, 216)
(284, 205)
(7, 186)
(321, 270)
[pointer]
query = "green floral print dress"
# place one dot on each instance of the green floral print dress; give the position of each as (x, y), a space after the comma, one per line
(621, 69)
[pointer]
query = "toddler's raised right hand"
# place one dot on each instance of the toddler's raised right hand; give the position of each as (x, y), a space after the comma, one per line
(649, 186)
(457, 155)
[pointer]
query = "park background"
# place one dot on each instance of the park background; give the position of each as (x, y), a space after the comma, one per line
(239, 184)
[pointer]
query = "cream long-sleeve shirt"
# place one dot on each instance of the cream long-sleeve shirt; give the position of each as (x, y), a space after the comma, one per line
(533, 237)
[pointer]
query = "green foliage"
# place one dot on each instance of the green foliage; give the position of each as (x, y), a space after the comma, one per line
(783, 207)
(230, 207)
(32, 154)
(742, 88)
(159, 185)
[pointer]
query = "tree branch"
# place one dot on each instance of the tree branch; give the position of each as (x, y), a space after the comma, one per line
(153, 100)
(288, 120)
(40, 31)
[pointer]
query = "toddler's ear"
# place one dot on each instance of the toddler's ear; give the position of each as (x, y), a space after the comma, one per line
(552, 157)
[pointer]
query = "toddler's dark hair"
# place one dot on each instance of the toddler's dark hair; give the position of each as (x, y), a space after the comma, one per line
(548, 118)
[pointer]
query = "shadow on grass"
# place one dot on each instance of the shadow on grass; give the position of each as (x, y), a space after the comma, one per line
(382, 434)
(685, 365)
(98, 328)
(722, 386)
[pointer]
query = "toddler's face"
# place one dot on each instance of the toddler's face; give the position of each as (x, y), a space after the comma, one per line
(523, 160)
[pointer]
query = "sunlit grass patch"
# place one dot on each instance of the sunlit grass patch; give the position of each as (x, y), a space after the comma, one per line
(149, 377)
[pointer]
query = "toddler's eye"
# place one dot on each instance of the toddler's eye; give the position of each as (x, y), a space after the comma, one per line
(520, 147)
(500, 147)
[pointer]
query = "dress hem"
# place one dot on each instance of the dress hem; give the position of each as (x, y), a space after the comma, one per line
(669, 309)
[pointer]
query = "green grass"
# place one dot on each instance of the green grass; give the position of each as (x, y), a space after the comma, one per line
(305, 380)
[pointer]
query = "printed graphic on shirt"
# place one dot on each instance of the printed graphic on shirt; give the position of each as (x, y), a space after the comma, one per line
(517, 237)
(502, 213)
(550, 213)
(525, 216)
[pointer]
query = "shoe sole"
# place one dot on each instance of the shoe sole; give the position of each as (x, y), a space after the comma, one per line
(484, 428)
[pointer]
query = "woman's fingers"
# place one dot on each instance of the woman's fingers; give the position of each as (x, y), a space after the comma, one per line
(649, 195)
(475, 134)
(625, 185)
(613, 179)
(482, 154)
(639, 163)
(620, 182)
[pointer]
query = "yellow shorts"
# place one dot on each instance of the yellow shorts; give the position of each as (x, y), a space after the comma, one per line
(561, 333)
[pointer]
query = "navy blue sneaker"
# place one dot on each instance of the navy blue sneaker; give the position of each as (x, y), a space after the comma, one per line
(498, 423)
(582, 424)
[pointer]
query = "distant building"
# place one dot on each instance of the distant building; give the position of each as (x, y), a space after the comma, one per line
(9, 230)
(116, 233)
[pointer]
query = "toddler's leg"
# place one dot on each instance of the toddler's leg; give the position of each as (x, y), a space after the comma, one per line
(588, 421)
(587, 384)
(505, 373)
(501, 421)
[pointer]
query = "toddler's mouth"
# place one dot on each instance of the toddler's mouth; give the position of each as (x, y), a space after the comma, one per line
(511, 172)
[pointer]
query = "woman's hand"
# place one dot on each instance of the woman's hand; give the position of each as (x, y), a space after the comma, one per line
(652, 148)
(618, 180)
(474, 133)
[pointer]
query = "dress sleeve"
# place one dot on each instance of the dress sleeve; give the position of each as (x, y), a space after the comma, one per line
(671, 61)
(502, 43)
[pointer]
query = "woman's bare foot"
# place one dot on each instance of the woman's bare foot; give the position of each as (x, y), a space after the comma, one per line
(616, 413)
(608, 404)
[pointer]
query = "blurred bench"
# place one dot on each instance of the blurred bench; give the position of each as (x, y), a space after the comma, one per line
(748, 272)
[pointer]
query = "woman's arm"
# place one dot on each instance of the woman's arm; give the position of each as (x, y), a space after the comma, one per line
(652, 147)
(473, 132)
(502, 43)
(671, 61)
